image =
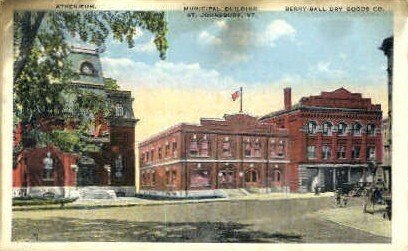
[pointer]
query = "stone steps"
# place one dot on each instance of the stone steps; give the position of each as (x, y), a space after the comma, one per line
(231, 193)
(96, 193)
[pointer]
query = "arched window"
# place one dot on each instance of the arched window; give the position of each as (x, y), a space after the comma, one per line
(119, 110)
(327, 128)
(251, 176)
(371, 129)
(357, 129)
(311, 127)
(87, 69)
(276, 176)
(342, 129)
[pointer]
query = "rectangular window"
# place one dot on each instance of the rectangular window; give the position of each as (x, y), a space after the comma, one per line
(281, 148)
(193, 147)
(257, 149)
(167, 150)
(311, 152)
(204, 148)
(356, 152)
(341, 152)
(273, 147)
(153, 178)
(173, 177)
(248, 148)
(151, 155)
(226, 147)
(371, 153)
(326, 152)
(174, 149)
(160, 153)
(167, 179)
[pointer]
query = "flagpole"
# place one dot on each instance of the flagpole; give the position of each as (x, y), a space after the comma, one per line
(240, 107)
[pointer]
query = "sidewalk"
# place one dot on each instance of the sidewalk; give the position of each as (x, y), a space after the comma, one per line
(131, 201)
(355, 218)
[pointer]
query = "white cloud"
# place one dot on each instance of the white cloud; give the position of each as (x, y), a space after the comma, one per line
(207, 38)
(163, 73)
(277, 29)
(148, 47)
(326, 68)
(221, 24)
(234, 57)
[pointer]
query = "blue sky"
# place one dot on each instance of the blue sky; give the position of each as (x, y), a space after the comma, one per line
(209, 59)
(298, 48)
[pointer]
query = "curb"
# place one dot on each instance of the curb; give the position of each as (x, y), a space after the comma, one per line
(100, 206)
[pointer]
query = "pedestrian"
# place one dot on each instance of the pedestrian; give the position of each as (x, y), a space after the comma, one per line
(315, 185)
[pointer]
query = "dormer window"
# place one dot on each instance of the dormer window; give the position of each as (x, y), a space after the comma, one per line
(87, 69)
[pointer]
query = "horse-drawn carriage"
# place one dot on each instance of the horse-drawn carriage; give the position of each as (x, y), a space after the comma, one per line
(373, 193)
(379, 192)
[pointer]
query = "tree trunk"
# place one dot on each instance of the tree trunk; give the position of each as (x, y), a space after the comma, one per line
(28, 34)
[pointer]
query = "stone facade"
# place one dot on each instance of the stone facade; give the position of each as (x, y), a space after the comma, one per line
(235, 152)
(334, 136)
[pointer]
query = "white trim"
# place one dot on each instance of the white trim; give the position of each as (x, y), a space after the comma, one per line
(333, 165)
(214, 161)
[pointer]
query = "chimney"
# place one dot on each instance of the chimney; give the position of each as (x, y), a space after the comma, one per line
(287, 98)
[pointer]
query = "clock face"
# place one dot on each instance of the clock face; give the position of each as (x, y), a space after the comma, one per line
(87, 69)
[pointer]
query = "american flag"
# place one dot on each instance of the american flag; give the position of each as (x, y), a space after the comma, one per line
(236, 95)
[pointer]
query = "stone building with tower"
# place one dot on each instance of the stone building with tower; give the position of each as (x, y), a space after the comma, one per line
(104, 172)
(235, 152)
(334, 137)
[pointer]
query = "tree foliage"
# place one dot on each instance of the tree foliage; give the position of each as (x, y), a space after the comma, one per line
(43, 73)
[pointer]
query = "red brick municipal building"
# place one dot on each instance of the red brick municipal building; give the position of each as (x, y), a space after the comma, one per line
(237, 151)
(331, 137)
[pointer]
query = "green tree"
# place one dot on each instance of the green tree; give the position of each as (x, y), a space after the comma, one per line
(111, 84)
(43, 76)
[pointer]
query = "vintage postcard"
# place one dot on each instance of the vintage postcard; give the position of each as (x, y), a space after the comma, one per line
(203, 123)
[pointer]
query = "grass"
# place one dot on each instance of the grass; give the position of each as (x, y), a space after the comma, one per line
(36, 201)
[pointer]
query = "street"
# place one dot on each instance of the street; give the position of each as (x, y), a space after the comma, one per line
(294, 221)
